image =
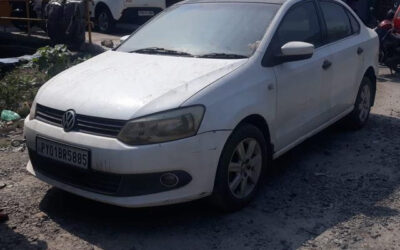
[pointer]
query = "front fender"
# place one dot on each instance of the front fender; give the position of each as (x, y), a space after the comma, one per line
(244, 92)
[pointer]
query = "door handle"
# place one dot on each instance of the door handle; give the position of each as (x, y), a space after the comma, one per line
(360, 51)
(327, 64)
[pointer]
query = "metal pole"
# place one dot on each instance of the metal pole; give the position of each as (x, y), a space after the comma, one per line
(88, 21)
(28, 16)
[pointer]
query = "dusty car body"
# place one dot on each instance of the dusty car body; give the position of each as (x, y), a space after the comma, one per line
(168, 118)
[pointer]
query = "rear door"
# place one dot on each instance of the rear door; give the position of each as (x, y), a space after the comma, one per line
(343, 40)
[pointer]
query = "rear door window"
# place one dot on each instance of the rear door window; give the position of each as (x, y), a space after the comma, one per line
(355, 25)
(337, 21)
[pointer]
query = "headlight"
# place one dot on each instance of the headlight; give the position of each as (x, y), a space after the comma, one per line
(163, 127)
(33, 111)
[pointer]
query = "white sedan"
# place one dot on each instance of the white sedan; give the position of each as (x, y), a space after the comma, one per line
(198, 101)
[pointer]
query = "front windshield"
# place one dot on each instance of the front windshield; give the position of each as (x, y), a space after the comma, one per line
(231, 30)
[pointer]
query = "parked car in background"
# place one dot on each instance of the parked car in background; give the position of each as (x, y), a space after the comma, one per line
(107, 12)
(169, 117)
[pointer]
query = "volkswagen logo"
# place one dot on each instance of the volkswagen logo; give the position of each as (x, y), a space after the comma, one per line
(68, 120)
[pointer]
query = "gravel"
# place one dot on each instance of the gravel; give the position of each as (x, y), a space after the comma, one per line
(339, 190)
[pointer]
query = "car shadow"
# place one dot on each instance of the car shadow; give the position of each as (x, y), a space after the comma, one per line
(323, 182)
(388, 76)
(14, 240)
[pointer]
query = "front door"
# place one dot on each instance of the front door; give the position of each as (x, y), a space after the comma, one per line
(300, 84)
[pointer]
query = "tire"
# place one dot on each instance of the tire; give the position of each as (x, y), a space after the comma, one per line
(43, 24)
(395, 68)
(104, 20)
(235, 172)
(19, 11)
(362, 108)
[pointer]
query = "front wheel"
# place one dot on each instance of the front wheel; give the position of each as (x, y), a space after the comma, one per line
(359, 116)
(240, 169)
(104, 20)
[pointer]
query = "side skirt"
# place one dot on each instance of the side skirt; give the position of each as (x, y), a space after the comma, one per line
(312, 133)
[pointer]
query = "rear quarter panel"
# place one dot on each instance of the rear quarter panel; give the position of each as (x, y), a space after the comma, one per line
(369, 41)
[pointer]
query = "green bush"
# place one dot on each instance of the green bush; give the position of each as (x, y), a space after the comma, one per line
(19, 86)
(54, 60)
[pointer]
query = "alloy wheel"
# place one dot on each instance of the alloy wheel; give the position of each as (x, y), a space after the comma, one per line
(365, 102)
(103, 21)
(245, 168)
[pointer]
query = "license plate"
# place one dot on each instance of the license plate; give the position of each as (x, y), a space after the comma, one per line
(63, 153)
(146, 13)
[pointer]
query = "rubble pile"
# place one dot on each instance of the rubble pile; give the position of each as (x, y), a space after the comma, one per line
(11, 136)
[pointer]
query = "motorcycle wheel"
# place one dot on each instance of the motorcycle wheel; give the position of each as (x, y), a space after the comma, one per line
(381, 57)
(396, 68)
(20, 11)
(21, 25)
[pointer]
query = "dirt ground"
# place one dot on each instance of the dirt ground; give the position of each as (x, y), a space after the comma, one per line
(339, 189)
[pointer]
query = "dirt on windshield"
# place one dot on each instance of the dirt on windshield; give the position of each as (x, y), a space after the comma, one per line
(339, 189)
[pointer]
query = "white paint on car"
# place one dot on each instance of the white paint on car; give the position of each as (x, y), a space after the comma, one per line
(296, 98)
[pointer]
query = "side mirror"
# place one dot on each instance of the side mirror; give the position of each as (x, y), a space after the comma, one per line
(122, 39)
(295, 51)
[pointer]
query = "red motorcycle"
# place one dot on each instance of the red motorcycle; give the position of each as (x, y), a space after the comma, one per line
(387, 24)
(396, 21)
(389, 36)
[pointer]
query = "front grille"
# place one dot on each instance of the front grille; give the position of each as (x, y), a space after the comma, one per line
(116, 185)
(84, 124)
(90, 180)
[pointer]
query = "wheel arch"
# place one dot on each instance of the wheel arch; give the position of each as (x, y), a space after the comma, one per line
(99, 6)
(259, 122)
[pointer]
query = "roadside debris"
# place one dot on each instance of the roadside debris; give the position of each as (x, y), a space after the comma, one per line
(8, 115)
(19, 149)
(17, 143)
(11, 136)
(107, 43)
(2, 185)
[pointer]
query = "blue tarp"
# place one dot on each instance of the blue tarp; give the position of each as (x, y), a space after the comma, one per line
(14, 60)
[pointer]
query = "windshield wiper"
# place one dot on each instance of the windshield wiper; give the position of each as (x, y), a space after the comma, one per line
(222, 56)
(162, 51)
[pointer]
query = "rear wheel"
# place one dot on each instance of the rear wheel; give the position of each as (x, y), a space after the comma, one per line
(359, 116)
(240, 169)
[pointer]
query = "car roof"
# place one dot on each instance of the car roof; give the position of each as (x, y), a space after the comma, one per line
(235, 1)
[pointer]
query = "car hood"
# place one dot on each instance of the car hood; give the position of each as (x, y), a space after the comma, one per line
(121, 85)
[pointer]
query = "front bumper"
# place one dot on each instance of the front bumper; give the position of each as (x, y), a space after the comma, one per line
(198, 156)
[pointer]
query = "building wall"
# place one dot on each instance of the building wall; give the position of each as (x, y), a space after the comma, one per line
(5, 10)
